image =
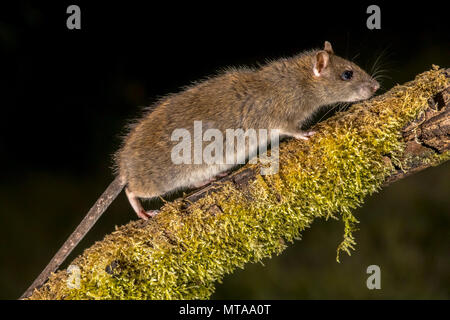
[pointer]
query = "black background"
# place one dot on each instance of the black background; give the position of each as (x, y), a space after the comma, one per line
(66, 96)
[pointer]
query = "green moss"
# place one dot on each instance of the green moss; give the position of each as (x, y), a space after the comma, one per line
(181, 254)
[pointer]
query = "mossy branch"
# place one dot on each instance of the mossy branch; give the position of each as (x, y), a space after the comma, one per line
(194, 241)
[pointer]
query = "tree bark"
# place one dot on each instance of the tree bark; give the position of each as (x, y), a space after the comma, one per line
(426, 136)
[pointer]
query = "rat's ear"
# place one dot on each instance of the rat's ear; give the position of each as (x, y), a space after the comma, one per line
(328, 48)
(321, 62)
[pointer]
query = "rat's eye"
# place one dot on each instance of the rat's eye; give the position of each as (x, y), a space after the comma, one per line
(347, 75)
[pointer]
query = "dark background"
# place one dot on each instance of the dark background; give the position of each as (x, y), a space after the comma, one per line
(66, 95)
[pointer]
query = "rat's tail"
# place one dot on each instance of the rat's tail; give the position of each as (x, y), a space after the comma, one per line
(85, 225)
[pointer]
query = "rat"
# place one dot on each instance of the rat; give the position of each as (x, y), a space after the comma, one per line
(282, 94)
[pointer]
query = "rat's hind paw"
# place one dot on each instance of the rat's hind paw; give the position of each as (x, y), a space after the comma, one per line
(147, 214)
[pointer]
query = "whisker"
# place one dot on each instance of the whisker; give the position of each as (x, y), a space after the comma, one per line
(331, 109)
(356, 56)
(379, 71)
(344, 106)
(379, 66)
(381, 76)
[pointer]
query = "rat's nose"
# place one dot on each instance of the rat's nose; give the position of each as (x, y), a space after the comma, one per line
(375, 86)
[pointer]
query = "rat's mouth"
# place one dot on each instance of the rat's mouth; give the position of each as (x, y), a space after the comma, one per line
(360, 96)
(367, 91)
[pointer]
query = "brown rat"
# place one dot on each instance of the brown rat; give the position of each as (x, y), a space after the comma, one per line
(282, 95)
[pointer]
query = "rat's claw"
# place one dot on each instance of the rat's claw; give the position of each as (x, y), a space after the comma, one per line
(152, 213)
(304, 135)
(144, 215)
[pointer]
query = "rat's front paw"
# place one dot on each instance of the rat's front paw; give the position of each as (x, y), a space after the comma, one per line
(147, 214)
(304, 135)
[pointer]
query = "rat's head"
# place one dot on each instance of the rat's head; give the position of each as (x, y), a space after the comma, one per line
(339, 80)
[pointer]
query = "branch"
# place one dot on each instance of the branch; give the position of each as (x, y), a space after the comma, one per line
(245, 217)
(426, 138)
